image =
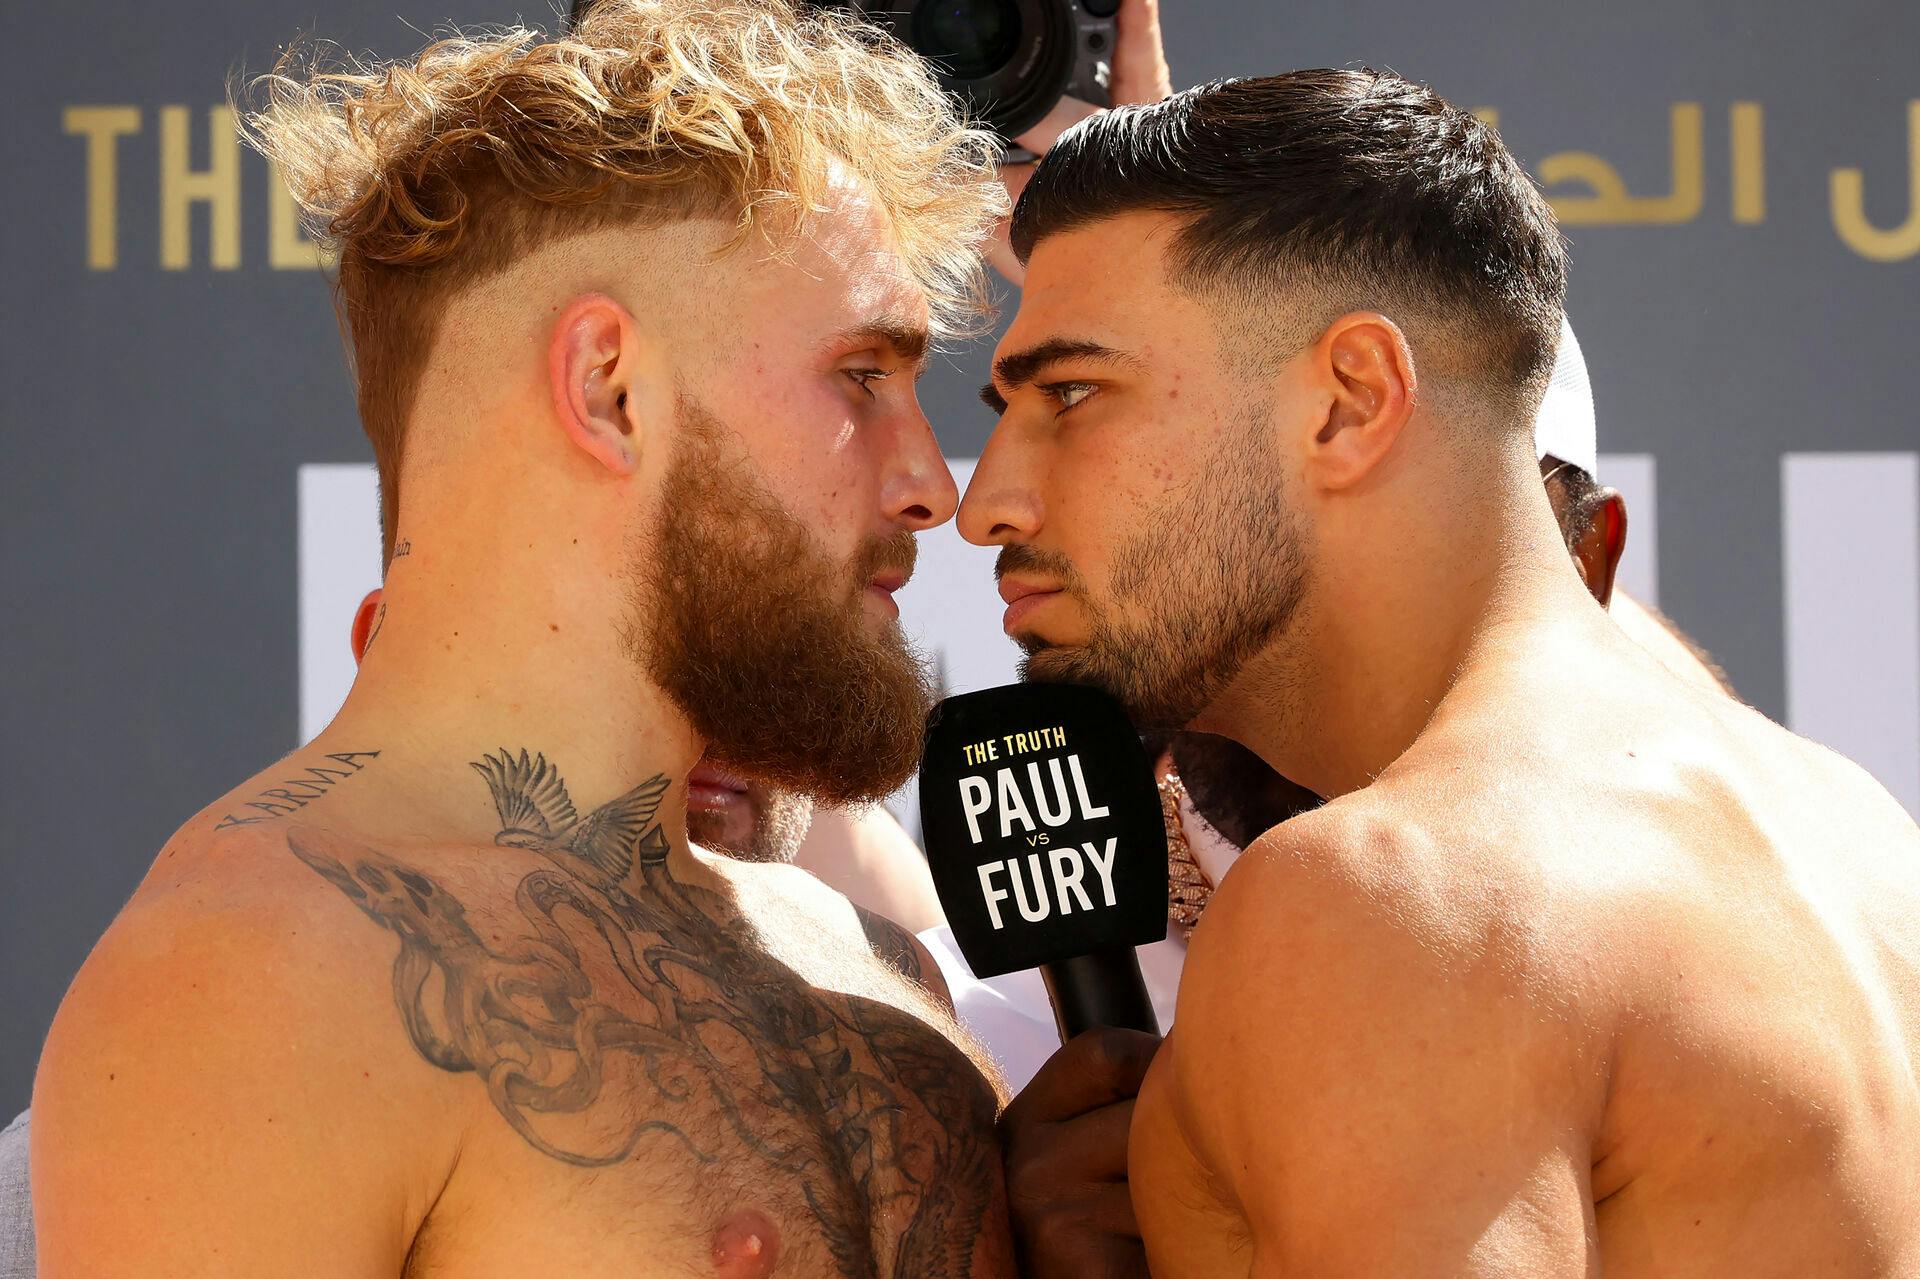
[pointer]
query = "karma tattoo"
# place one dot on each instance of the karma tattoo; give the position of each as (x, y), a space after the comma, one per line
(623, 972)
(295, 793)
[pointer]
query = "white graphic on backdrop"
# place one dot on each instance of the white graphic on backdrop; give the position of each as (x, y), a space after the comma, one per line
(339, 558)
(1853, 617)
(1851, 528)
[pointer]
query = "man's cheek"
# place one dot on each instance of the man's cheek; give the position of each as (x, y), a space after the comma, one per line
(829, 502)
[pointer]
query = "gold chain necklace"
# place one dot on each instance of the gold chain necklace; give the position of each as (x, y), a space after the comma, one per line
(1188, 888)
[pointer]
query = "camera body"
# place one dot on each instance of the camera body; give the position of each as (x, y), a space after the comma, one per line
(1008, 62)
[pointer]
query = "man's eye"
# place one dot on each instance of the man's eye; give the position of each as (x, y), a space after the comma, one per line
(1068, 394)
(866, 377)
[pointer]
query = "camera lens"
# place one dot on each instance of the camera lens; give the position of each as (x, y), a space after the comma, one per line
(969, 39)
(1006, 62)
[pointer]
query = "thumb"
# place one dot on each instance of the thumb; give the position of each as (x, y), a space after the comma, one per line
(1140, 71)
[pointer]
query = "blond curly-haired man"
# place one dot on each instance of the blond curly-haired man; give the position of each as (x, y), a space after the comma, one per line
(635, 317)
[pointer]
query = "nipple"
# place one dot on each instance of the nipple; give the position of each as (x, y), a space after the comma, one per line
(746, 1246)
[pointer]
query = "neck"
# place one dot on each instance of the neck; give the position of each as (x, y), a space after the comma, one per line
(1377, 647)
(529, 655)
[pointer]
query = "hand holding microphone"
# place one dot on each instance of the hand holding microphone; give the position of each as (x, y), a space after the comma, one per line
(1065, 1138)
(1044, 830)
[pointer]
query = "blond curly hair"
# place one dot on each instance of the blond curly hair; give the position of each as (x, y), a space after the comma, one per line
(426, 174)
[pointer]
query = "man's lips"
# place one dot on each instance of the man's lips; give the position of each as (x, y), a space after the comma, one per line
(1023, 595)
(710, 786)
(1013, 589)
(884, 585)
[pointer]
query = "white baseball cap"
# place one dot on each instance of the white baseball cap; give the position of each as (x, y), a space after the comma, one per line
(1565, 426)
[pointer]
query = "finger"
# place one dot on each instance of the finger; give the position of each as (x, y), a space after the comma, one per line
(1095, 1237)
(1065, 114)
(1110, 1212)
(1093, 1069)
(1061, 1159)
(1140, 71)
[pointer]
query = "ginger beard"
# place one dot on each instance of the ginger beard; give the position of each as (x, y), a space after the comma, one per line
(1214, 574)
(764, 640)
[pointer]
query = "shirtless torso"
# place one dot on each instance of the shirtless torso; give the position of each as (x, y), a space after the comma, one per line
(580, 1049)
(1606, 975)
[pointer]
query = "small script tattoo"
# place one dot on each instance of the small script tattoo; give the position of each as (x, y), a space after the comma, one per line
(403, 548)
(295, 793)
(602, 994)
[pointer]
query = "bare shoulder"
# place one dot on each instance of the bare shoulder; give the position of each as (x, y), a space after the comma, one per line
(1384, 985)
(221, 916)
(834, 944)
(831, 939)
(1374, 911)
(864, 853)
(903, 952)
(228, 1053)
(1858, 796)
(1371, 882)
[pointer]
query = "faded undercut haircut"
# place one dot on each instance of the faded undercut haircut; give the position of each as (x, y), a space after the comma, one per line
(1338, 190)
(427, 174)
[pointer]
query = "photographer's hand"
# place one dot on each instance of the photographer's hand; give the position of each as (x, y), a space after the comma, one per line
(1139, 75)
(1066, 1149)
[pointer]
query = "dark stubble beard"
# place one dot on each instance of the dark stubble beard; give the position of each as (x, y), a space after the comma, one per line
(1214, 575)
(763, 639)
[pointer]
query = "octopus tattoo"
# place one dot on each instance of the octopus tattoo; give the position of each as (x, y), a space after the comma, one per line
(877, 1117)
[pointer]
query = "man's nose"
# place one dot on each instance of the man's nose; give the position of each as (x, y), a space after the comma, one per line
(1002, 505)
(918, 492)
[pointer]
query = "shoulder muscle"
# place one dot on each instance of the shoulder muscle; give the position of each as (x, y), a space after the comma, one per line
(226, 1086)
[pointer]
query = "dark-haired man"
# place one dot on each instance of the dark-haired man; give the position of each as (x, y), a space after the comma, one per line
(1580, 967)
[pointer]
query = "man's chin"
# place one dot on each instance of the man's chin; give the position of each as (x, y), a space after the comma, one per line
(1149, 707)
(838, 718)
(1069, 664)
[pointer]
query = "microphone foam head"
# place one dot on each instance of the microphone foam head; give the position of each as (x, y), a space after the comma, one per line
(1042, 825)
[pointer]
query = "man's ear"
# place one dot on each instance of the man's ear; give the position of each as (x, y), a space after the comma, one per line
(1597, 553)
(363, 619)
(593, 371)
(1365, 363)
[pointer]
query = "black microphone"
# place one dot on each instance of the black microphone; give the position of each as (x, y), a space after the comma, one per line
(1047, 845)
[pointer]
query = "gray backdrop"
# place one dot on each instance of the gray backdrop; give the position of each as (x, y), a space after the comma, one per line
(157, 405)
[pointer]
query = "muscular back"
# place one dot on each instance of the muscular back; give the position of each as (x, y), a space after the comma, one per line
(574, 1051)
(1605, 975)
(1762, 1115)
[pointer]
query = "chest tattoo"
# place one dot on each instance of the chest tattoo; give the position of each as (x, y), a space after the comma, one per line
(610, 975)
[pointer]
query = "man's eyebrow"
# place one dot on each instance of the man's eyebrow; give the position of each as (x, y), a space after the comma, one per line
(1017, 368)
(909, 341)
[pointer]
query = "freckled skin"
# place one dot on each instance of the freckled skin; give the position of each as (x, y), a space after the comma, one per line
(746, 1246)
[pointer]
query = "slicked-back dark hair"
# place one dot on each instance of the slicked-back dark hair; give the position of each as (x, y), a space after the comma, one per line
(1358, 185)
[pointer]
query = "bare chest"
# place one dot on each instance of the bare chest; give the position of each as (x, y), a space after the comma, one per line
(663, 1096)
(821, 1157)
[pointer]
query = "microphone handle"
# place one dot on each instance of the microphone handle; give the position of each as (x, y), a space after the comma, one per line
(1101, 989)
